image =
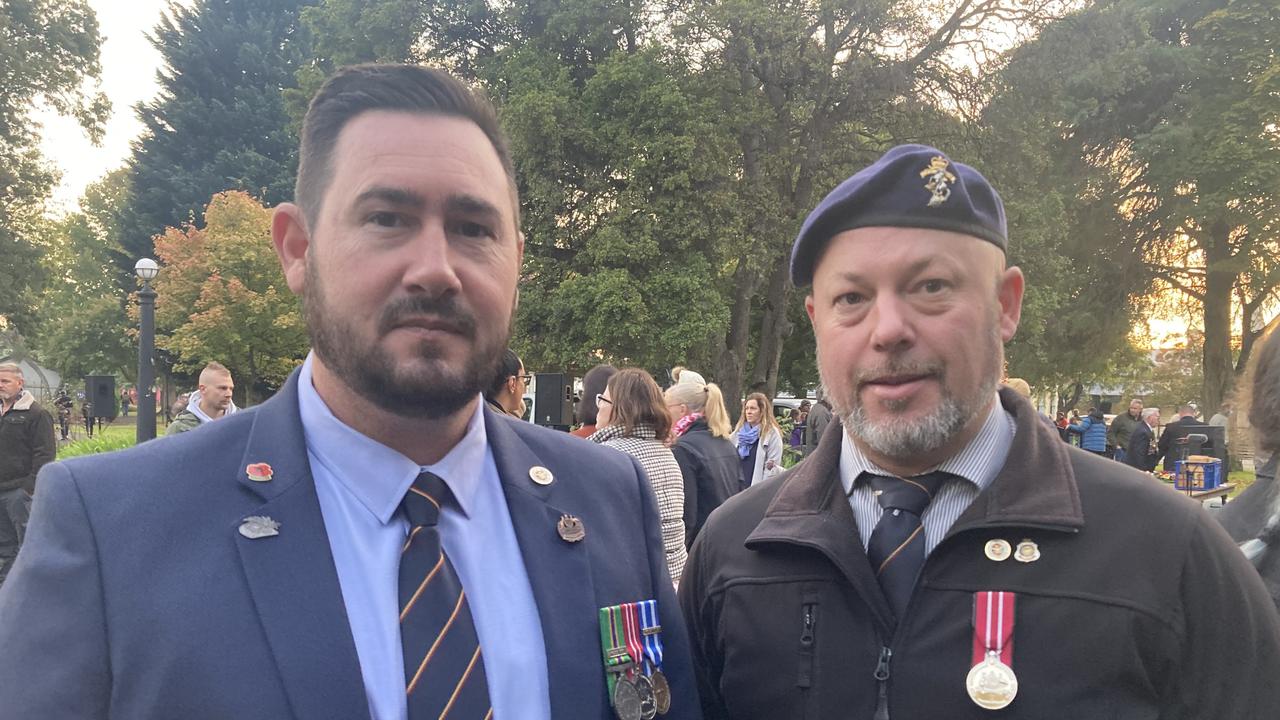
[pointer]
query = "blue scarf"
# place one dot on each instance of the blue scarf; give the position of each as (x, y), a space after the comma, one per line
(747, 436)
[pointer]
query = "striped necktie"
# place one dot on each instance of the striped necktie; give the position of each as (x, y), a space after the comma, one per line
(896, 547)
(443, 668)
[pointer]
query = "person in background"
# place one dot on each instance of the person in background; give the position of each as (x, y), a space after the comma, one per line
(63, 404)
(86, 416)
(816, 424)
(1170, 449)
(26, 445)
(506, 393)
(1093, 432)
(210, 401)
(632, 418)
(1122, 427)
(1253, 518)
(1222, 419)
(759, 441)
(707, 458)
(1141, 450)
(125, 399)
(593, 383)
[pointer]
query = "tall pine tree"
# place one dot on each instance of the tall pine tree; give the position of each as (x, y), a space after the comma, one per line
(219, 122)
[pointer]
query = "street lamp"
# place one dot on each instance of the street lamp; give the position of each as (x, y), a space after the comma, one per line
(146, 269)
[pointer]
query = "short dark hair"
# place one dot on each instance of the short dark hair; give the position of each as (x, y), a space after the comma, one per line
(357, 89)
(508, 367)
(637, 403)
(593, 383)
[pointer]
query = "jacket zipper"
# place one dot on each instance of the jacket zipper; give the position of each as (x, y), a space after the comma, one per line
(809, 621)
(882, 681)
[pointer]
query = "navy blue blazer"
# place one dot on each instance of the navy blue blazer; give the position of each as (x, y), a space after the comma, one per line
(135, 596)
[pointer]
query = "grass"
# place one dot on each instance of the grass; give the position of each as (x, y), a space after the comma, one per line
(112, 437)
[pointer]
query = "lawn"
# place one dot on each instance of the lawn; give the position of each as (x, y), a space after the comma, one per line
(112, 437)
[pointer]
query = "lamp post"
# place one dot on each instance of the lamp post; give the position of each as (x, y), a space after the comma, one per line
(146, 269)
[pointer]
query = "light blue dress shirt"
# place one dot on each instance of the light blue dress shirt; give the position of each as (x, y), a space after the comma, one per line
(360, 483)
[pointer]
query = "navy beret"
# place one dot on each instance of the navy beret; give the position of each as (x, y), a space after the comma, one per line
(909, 186)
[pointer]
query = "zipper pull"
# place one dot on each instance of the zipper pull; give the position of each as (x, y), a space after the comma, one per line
(882, 680)
(806, 632)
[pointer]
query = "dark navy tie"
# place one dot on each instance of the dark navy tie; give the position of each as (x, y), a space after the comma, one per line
(897, 544)
(443, 668)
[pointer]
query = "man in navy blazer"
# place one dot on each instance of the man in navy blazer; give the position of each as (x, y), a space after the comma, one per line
(250, 569)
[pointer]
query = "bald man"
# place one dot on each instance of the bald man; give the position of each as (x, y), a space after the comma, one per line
(210, 401)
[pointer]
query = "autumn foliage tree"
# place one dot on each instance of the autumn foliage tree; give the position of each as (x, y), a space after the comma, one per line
(221, 296)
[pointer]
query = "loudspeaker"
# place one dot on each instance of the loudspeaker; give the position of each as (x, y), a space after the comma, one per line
(553, 401)
(101, 391)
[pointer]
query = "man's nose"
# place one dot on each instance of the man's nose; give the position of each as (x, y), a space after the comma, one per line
(892, 330)
(430, 267)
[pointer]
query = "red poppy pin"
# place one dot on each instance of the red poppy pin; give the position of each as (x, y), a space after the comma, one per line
(259, 472)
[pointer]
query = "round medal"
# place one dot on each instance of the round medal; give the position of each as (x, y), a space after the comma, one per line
(648, 703)
(992, 684)
(661, 691)
(998, 550)
(626, 700)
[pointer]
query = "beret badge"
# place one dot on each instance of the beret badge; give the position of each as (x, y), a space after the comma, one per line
(939, 180)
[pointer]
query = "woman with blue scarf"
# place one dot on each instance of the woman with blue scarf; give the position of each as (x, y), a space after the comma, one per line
(759, 441)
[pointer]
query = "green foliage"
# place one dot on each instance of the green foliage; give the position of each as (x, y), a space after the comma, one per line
(219, 121)
(48, 50)
(112, 437)
(221, 296)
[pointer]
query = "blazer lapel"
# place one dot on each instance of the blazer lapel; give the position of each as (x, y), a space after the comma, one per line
(291, 576)
(560, 574)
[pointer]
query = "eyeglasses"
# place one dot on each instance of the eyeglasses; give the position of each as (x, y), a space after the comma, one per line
(602, 399)
(525, 378)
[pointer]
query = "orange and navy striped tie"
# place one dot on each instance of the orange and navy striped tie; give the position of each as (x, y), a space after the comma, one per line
(443, 667)
(897, 544)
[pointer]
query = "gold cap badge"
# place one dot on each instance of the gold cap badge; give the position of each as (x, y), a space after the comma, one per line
(939, 180)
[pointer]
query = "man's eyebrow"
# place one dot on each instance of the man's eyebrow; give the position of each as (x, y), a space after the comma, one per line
(393, 196)
(914, 268)
(472, 205)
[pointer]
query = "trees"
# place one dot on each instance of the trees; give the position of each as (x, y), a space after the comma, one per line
(47, 52)
(1166, 116)
(221, 296)
(219, 121)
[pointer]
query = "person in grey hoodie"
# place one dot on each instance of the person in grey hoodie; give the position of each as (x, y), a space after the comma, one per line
(210, 401)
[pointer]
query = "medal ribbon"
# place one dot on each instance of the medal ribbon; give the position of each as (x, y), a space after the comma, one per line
(652, 635)
(993, 626)
(631, 622)
(612, 639)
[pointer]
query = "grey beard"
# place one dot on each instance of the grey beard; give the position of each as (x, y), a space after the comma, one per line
(903, 439)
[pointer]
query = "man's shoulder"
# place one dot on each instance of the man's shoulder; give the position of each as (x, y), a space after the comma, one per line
(729, 525)
(1122, 493)
(182, 422)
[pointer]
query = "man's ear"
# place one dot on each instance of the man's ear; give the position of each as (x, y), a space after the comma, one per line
(1009, 294)
(292, 240)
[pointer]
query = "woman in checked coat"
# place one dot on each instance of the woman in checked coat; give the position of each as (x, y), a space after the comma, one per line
(632, 418)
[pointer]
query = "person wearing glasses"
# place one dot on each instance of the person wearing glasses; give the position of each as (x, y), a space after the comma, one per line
(506, 393)
(632, 417)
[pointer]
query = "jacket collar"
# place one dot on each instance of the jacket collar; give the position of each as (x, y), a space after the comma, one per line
(24, 402)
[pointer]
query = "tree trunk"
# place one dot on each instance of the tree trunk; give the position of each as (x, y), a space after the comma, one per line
(731, 365)
(1216, 361)
(774, 328)
(1077, 390)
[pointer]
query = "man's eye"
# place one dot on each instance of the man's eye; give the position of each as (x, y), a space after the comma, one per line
(386, 219)
(933, 286)
(851, 298)
(473, 229)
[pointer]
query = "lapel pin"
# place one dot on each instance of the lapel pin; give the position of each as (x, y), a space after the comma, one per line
(570, 529)
(259, 526)
(541, 475)
(259, 472)
(998, 550)
(1028, 551)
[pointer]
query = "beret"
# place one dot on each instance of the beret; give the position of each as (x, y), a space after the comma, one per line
(913, 186)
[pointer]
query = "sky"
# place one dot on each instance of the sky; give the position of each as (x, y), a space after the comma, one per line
(129, 64)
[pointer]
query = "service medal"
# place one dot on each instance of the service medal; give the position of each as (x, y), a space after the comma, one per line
(992, 684)
(648, 704)
(626, 700)
(661, 691)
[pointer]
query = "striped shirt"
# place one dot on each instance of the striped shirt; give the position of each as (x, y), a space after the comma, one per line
(975, 466)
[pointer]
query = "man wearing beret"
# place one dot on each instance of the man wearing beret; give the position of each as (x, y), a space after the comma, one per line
(945, 554)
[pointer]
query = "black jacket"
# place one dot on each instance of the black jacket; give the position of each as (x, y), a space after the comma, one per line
(1141, 452)
(1122, 616)
(26, 443)
(1256, 514)
(710, 468)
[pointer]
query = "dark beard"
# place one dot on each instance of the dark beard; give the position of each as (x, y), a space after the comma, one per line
(438, 392)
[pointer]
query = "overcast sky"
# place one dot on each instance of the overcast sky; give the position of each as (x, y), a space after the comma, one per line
(129, 65)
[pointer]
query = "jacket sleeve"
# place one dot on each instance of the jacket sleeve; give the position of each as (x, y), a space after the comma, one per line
(773, 452)
(1229, 622)
(1111, 432)
(52, 616)
(701, 614)
(44, 447)
(677, 664)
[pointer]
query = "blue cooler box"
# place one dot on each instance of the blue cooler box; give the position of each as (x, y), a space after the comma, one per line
(1197, 475)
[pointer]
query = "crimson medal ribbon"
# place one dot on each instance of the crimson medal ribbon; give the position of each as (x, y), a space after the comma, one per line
(993, 626)
(631, 623)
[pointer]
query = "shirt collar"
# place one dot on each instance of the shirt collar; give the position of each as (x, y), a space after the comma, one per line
(376, 475)
(978, 462)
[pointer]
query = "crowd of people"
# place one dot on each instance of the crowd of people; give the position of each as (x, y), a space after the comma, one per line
(382, 539)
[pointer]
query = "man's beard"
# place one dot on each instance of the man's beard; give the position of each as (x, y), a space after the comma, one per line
(434, 392)
(904, 439)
